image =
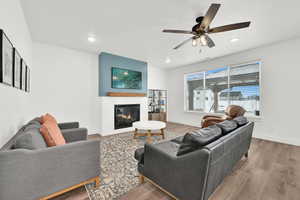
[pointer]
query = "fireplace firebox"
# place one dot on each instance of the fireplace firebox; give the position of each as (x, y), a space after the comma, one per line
(126, 114)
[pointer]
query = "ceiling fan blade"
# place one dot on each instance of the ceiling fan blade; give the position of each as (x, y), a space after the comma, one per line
(209, 16)
(177, 31)
(184, 42)
(229, 27)
(209, 41)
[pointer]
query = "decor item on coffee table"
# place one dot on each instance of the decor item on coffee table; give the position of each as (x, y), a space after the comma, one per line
(149, 126)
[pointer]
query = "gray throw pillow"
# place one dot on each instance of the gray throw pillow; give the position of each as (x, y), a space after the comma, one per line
(241, 120)
(35, 123)
(198, 139)
(227, 126)
(31, 139)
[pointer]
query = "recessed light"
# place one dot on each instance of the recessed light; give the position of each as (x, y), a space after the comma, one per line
(234, 40)
(168, 60)
(91, 38)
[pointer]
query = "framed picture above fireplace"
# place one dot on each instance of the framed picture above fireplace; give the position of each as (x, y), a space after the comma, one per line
(125, 78)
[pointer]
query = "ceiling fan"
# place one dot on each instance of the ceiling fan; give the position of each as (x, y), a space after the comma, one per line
(201, 30)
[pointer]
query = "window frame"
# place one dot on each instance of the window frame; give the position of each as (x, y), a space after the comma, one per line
(186, 93)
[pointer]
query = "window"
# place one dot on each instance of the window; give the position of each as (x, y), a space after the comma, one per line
(212, 91)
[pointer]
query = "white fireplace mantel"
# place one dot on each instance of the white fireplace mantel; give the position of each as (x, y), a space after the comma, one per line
(107, 106)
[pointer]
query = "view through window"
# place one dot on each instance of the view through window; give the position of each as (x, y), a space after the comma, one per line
(212, 91)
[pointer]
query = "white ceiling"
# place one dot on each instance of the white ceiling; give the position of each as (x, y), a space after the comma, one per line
(132, 28)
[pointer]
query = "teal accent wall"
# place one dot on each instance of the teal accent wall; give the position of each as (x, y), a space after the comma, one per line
(107, 61)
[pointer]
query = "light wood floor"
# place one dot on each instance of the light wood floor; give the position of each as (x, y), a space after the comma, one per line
(272, 172)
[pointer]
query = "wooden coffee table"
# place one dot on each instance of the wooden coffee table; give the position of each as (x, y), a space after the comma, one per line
(149, 126)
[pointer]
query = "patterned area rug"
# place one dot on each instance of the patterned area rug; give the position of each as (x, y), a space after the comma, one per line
(118, 166)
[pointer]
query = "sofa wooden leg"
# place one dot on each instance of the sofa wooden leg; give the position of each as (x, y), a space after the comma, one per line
(141, 179)
(162, 133)
(97, 182)
(246, 155)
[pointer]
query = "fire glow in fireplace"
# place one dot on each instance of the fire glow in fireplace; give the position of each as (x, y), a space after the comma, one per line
(125, 115)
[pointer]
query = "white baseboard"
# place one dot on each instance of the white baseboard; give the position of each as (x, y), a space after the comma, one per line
(295, 142)
(122, 130)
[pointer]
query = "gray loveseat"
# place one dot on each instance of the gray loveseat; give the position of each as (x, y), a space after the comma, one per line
(39, 171)
(196, 174)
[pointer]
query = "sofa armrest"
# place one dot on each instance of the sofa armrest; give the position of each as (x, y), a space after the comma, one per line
(183, 176)
(209, 116)
(67, 125)
(211, 121)
(38, 173)
(74, 134)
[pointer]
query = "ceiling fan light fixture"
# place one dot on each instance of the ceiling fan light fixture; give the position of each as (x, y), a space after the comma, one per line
(202, 29)
(194, 42)
(203, 40)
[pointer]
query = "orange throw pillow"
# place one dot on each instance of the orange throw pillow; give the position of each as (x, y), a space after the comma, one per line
(52, 134)
(47, 117)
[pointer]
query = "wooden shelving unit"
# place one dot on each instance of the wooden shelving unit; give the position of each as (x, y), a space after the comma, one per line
(157, 105)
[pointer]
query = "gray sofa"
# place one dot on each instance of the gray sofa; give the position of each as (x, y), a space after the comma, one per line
(36, 171)
(194, 175)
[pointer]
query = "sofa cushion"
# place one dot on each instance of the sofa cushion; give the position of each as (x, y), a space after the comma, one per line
(52, 134)
(227, 126)
(199, 138)
(31, 139)
(139, 155)
(241, 120)
(33, 124)
(185, 148)
(178, 140)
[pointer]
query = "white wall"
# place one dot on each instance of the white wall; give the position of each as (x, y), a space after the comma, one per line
(157, 78)
(279, 90)
(65, 83)
(14, 103)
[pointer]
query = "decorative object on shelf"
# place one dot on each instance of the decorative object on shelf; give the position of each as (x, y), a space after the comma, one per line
(17, 60)
(125, 79)
(27, 79)
(6, 60)
(23, 75)
(157, 105)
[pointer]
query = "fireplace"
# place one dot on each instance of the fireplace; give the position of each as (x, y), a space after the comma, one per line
(126, 114)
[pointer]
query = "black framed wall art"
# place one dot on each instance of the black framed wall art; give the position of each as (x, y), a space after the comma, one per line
(6, 60)
(17, 61)
(23, 75)
(27, 79)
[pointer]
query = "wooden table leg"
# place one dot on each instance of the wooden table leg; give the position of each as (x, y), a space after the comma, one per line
(141, 179)
(162, 133)
(135, 133)
(97, 182)
(149, 136)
